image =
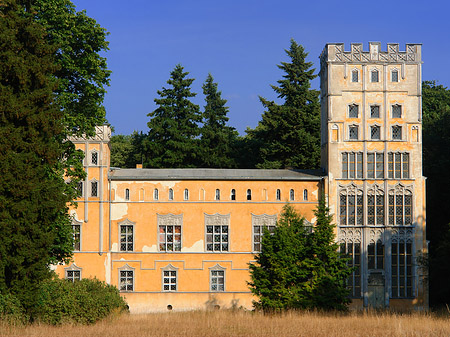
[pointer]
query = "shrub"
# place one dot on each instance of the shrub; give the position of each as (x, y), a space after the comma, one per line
(85, 301)
(11, 310)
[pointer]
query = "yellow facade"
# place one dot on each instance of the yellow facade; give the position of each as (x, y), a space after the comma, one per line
(182, 239)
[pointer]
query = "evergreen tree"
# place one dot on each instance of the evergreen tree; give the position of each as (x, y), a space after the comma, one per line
(173, 137)
(217, 137)
(34, 224)
(289, 133)
(300, 269)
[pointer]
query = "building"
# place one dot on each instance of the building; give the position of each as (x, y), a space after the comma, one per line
(183, 238)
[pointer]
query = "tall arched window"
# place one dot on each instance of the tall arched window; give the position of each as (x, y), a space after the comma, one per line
(233, 194)
(305, 194)
(170, 194)
(249, 194)
(217, 194)
(278, 194)
(127, 194)
(155, 194)
(291, 195)
(186, 194)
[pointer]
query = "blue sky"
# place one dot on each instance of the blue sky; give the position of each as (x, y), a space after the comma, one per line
(241, 42)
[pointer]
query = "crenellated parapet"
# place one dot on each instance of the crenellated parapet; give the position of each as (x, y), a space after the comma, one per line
(335, 52)
(102, 133)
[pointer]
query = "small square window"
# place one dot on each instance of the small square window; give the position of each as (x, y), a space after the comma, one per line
(73, 275)
(396, 111)
(353, 132)
(394, 76)
(353, 111)
(355, 76)
(374, 76)
(375, 132)
(375, 111)
(397, 132)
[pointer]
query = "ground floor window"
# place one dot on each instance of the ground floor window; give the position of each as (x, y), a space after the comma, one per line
(401, 269)
(217, 280)
(126, 280)
(353, 251)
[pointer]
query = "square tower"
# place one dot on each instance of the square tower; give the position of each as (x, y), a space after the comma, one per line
(371, 141)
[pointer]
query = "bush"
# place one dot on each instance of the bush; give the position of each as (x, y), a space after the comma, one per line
(85, 301)
(11, 311)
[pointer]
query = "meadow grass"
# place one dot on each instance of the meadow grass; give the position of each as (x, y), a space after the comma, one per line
(241, 323)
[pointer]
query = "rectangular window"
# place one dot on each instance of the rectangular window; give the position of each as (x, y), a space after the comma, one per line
(397, 132)
(126, 280)
(351, 210)
(217, 280)
(401, 270)
(375, 111)
(258, 232)
(374, 76)
(400, 209)
(375, 210)
(94, 189)
(94, 158)
(353, 111)
(394, 76)
(375, 165)
(353, 251)
(375, 255)
(80, 188)
(126, 238)
(355, 76)
(217, 238)
(396, 111)
(375, 132)
(169, 280)
(352, 165)
(169, 238)
(73, 275)
(353, 132)
(398, 165)
(76, 237)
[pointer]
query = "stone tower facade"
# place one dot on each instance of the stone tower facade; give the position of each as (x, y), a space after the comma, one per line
(372, 154)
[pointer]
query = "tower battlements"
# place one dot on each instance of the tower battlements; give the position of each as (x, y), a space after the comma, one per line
(336, 53)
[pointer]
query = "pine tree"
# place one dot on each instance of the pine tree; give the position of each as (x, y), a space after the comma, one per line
(300, 269)
(289, 133)
(217, 138)
(34, 224)
(173, 137)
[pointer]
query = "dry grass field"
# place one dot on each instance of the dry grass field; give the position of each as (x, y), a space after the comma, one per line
(226, 323)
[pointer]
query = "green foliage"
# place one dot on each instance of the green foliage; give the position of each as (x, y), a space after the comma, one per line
(85, 301)
(289, 134)
(34, 229)
(173, 137)
(436, 161)
(11, 311)
(300, 269)
(217, 138)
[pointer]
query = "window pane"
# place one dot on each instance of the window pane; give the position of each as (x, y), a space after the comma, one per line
(353, 111)
(375, 111)
(374, 76)
(355, 76)
(394, 77)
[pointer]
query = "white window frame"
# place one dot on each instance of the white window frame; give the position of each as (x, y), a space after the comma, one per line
(372, 72)
(219, 287)
(305, 195)
(358, 165)
(394, 206)
(81, 188)
(127, 194)
(259, 222)
(407, 240)
(371, 129)
(278, 194)
(125, 278)
(155, 194)
(395, 70)
(91, 188)
(355, 192)
(217, 233)
(169, 237)
(76, 223)
(69, 273)
(186, 194)
(378, 170)
(169, 278)
(91, 155)
(127, 224)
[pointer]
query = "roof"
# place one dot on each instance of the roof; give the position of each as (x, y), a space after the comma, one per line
(213, 174)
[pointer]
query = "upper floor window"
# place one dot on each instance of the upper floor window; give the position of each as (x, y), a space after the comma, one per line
(351, 208)
(396, 111)
(233, 194)
(398, 165)
(169, 238)
(374, 76)
(155, 194)
(352, 165)
(126, 279)
(375, 255)
(170, 194)
(249, 194)
(126, 238)
(400, 208)
(94, 158)
(396, 132)
(217, 194)
(291, 195)
(353, 111)
(278, 194)
(217, 238)
(80, 188)
(94, 189)
(394, 75)
(375, 207)
(374, 111)
(127, 194)
(353, 132)
(355, 76)
(375, 132)
(76, 228)
(186, 194)
(375, 165)
(305, 194)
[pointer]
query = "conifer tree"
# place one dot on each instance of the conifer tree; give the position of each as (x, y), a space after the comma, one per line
(217, 138)
(289, 134)
(173, 137)
(300, 269)
(34, 224)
